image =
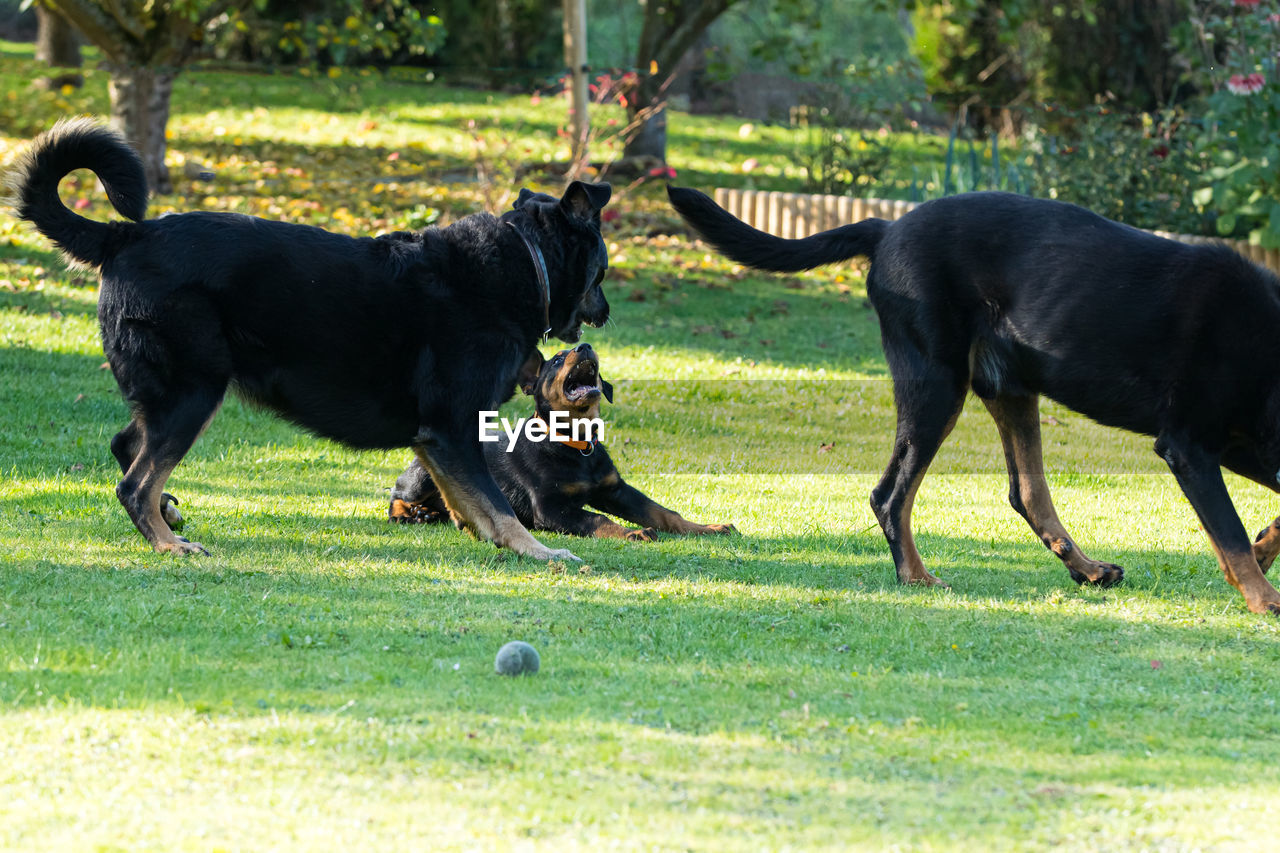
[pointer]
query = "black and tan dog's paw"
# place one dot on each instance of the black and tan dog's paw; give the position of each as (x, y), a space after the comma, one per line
(169, 512)
(403, 512)
(722, 529)
(647, 534)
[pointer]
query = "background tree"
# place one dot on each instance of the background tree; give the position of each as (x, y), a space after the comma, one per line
(144, 44)
(334, 32)
(58, 46)
(670, 28)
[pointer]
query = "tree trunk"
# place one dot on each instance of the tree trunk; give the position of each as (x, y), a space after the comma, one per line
(140, 110)
(670, 29)
(647, 114)
(58, 46)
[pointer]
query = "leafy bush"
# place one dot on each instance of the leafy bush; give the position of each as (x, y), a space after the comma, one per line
(844, 140)
(1140, 169)
(1234, 52)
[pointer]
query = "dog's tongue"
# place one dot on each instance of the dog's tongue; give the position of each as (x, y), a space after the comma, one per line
(577, 392)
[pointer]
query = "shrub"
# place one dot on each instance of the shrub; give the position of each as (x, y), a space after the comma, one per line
(1233, 49)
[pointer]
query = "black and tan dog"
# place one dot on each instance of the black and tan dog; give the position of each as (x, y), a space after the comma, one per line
(394, 341)
(550, 482)
(1016, 297)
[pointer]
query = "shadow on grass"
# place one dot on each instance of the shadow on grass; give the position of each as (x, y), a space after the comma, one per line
(365, 623)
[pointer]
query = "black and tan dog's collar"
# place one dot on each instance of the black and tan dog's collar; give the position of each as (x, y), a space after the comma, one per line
(544, 280)
(586, 448)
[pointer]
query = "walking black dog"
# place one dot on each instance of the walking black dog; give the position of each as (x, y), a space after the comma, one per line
(1017, 297)
(377, 343)
(549, 482)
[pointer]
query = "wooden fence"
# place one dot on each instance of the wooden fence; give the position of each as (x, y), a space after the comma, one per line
(796, 215)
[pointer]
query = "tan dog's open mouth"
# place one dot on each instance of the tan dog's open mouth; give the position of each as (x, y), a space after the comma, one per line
(583, 382)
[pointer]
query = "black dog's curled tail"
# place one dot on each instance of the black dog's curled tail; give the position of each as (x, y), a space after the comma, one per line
(77, 143)
(754, 248)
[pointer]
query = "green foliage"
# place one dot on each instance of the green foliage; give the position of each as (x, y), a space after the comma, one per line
(1140, 169)
(337, 32)
(994, 54)
(1236, 48)
(502, 44)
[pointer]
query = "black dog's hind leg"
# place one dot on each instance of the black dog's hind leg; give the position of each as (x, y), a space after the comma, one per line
(1018, 420)
(124, 447)
(929, 397)
(161, 436)
(457, 466)
(1199, 473)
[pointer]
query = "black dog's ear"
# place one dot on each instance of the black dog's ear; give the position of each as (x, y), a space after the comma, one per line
(527, 377)
(524, 196)
(607, 388)
(585, 200)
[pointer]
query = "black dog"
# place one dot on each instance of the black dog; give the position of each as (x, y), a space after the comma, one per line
(377, 343)
(549, 482)
(1015, 297)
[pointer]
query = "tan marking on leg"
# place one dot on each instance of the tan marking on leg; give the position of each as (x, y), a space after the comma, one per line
(1018, 421)
(485, 521)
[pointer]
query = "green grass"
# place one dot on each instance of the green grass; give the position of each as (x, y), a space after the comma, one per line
(324, 680)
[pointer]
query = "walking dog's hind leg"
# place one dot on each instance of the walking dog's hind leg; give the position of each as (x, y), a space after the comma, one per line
(1018, 420)
(927, 412)
(124, 447)
(161, 437)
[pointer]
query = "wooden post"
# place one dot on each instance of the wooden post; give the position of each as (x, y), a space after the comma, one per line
(575, 56)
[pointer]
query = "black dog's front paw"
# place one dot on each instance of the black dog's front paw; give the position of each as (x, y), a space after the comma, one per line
(647, 534)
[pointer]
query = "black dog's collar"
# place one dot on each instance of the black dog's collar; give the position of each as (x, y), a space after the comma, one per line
(540, 267)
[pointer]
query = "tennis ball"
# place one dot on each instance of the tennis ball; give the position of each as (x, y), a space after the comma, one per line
(516, 658)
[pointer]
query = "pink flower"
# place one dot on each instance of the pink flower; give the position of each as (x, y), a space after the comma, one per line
(535, 99)
(609, 215)
(662, 172)
(1246, 3)
(1246, 84)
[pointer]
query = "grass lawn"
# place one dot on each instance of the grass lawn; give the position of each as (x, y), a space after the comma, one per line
(325, 680)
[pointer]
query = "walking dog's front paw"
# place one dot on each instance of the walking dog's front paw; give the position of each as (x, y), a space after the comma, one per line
(549, 554)
(181, 547)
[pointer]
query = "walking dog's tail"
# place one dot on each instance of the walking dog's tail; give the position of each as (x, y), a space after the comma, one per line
(78, 143)
(739, 241)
